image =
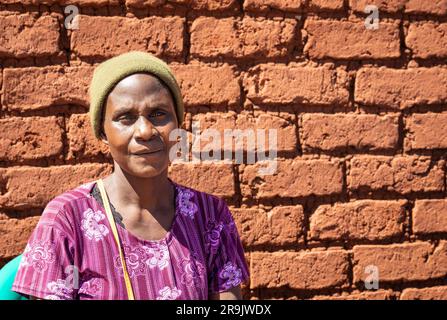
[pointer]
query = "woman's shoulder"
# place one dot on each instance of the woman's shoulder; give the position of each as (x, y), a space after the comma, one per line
(65, 205)
(192, 200)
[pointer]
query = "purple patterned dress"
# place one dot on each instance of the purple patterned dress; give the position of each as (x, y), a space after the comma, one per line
(72, 254)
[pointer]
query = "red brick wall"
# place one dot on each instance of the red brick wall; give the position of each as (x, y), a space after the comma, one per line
(361, 118)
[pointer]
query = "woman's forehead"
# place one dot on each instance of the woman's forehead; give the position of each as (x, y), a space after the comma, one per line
(137, 82)
(140, 87)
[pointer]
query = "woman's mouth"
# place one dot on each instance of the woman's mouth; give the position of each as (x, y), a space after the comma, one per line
(147, 153)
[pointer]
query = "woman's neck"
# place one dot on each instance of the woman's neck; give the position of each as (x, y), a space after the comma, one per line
(129, 191)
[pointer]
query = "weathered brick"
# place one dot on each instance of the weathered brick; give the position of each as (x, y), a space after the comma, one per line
(210, 5)
(246, 38)
(432, 293)
(214, 178)
(299, 270)
(401, 262)
(400, 89)
(15, 234)
(372, 295)
(426, 131)
(267, 5)
(436, 7)
(427, 40)
(281, 84)
(391, 6)
(205, 85)
(109, 36)
(349, 131)
(399, 174)
(30, 138)
(32, 187)
(26, 36)
(37, 88)
(293, 178)
(279, 226)
(87, 3)
(430, 216)
(326, 5)
(363, 219)
(82, 142)
(351, 40)
(285, 131)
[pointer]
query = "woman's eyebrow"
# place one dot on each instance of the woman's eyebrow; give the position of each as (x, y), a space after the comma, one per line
(128, 108)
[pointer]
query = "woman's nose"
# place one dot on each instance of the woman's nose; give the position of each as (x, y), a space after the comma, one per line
(144, 129)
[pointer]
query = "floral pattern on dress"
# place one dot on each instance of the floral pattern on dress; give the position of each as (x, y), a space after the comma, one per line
(135, 258)
(168, 293)
(59, 290)
(39, 254)
(185, 205)
(231, 275)
(191, 270)
(212, 236)
(90, 286)
(93, 229)
(157, 256)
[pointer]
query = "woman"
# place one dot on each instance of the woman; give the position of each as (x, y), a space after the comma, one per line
(135, 234)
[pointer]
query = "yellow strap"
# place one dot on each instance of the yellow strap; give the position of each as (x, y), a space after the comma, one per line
(117, 239)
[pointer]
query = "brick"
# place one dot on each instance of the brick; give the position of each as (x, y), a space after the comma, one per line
(82, 3)
(427, 40)
(398, 174)
(358, 220)
(390, 6)
(349, 132)
(426, 131)
(33, 187)
(213, 178)
(400, 89)
(15, 234)
(430, 216)
(299, 270)
(285, 131)
(267, 5)
(433, 293)
(38, 88)
(351, 40)
(293, 178)
(247, 38)
(281, 84)
(373, 295)
(109, 36)
(401, 262)
(209, 5)
(205, 85)
(435, 7)
(26, 36)
(81, 140)
(30, 138)
(326, 5)
(279, 226)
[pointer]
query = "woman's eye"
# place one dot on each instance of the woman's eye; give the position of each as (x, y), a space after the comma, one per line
(125, 118)
(157, 114)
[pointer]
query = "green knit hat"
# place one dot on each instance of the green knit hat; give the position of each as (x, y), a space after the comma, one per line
(113, 70)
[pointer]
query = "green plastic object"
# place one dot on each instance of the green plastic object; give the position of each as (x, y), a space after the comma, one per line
(7, 276)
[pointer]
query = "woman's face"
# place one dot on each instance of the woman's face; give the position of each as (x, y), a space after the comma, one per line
(139, 116)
